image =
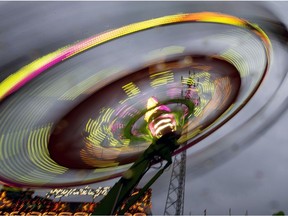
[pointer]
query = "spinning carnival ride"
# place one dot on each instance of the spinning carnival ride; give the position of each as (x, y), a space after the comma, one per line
(62, 127)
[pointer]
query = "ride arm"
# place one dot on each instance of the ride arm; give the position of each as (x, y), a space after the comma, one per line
(162, 149)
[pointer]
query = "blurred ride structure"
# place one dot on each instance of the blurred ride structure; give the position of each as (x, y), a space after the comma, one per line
(175, 198)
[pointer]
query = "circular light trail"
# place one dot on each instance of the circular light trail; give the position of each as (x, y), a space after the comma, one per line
(119, 133)
(25, 74)
(97, 139)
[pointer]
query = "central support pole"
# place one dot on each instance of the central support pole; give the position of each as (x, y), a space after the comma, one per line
(162, 149)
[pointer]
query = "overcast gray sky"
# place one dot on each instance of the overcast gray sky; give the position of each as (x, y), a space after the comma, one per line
(255, 179)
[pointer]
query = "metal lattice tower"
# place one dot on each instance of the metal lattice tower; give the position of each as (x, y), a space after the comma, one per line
(175, 198)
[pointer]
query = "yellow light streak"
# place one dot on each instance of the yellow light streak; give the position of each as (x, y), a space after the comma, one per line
(236, 59)
(161, 78)
(131, 89)
(37, 151)
(22, 76)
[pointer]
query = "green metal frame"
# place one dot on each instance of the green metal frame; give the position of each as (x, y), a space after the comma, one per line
(162, 149)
